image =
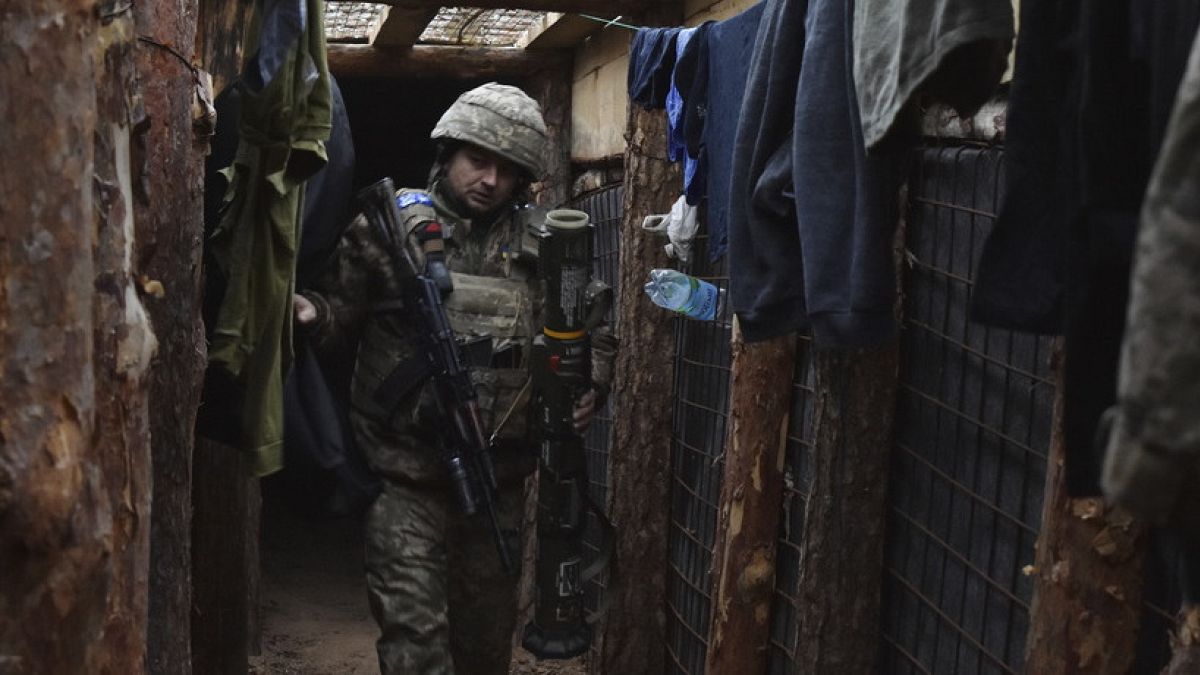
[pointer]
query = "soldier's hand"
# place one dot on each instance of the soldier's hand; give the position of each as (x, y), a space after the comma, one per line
(585, 407)
(302, 307)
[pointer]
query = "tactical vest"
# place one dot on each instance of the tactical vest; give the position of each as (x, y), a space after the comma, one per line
(491, 310)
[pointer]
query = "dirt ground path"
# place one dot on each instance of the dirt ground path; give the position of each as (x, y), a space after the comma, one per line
(315, 619)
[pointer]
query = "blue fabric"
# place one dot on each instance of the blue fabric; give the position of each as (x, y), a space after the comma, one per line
(691, 81)
(846, 201)
(676, 146)
(811, 215)
(721, 53)
(651, 61)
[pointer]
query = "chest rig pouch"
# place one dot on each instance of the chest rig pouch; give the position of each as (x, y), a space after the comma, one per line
(495, 316)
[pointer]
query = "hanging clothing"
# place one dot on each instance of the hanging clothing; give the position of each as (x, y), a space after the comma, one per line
(676, 147)
(284, 124)
(719, 58)
(691, 80)
(765, 286)
(676, 108)
(846, 201)
(812, 215)
(651, 62)
(1086, 119)
(1154, 450)
(955, 50)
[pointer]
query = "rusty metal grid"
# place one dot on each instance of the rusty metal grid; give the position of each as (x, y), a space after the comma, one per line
(700, 411)
(478, 27)
(605, 210)
(972, 435)
(782, 645)
(352, 22)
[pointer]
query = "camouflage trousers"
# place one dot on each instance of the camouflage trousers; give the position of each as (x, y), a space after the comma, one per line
(435, 583)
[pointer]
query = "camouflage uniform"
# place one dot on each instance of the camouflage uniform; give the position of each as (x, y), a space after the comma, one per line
(1153, 460)
(436, 585)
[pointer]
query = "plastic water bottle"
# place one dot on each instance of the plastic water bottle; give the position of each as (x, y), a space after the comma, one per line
(678, 292)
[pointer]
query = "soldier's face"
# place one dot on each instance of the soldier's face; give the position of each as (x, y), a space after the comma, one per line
(480, 179)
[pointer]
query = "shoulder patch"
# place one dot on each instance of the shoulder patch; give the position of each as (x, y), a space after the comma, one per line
(407, 199)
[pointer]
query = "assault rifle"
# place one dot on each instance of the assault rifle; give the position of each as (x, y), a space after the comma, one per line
(465, 451)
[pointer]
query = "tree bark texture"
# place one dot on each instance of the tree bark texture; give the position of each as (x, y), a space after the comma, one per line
(552, 90)
(633, 638)
(751, 502)
(841, 554)
(169, 230)
(75, 344)
(1088, 590)
(438, 62)
(219, 37)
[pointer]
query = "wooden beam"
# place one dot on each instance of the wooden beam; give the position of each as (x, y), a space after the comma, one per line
(402, 27)
(751, 503)
(841, 549)
(1087, 594)
(421, 61)
(557, 31)
(169, 232)
(605, 8)
(634, 631)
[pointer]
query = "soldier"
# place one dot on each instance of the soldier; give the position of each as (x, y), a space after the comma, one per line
(435, 581)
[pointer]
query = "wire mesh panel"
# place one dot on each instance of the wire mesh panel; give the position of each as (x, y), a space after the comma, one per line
(972, 435)
(797, 480)
(701, 406)
(604, 210)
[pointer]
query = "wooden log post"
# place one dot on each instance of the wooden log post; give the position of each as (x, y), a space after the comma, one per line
(551, 87)
(841, 552)
(124, 343)
(632, 637)
(1088, 588)
(225, 498)
(222, 530)
(751, 501)
(169, 231)
(75, 344)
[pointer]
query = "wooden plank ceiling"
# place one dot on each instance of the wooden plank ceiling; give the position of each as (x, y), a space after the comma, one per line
(519, 24)
(490, 38)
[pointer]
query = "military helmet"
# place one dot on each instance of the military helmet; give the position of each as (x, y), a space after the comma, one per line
(499, 118)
